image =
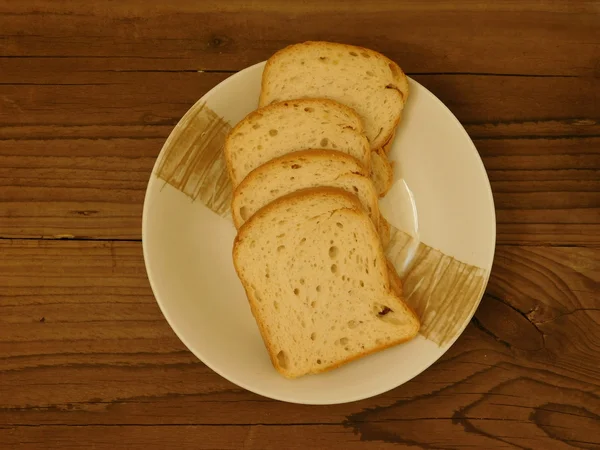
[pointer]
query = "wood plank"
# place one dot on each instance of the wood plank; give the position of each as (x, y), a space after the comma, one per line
(546, 190)
(488, 106)
(527, 37)
(85, 356)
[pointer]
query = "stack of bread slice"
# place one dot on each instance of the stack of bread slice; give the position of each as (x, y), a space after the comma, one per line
(307, 168)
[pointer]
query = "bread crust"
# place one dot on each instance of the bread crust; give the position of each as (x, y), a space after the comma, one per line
(259, 113)
(400, 85)
(382, 165)
(352, 205)
(308, 153)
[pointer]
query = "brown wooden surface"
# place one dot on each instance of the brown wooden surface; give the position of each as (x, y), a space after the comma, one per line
(89, 91)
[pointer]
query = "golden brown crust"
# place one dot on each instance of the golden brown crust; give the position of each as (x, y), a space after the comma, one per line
(384, 231)
(397, 71)
(325, 191)
(258, 113)
(387, 147)
(312, 153)
(395, 281)
(363, 354)
(357, 209)
(383, 165)
(401, 85)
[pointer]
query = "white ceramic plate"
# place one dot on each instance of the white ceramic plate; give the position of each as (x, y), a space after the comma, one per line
(187, 250)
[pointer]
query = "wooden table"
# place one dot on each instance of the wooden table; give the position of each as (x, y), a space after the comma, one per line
(89, 91)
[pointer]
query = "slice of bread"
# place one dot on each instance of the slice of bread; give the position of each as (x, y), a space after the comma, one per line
(317, 282)
(285, 127)
(302, 170)
(363, 79)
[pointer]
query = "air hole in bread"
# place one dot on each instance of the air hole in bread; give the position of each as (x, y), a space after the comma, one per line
(309, 109)
(273, 132)
(303, 323)
(319, 361)
(281, 222)
(343, 277)
(276, 305)
(343, 341)
(334, 268)
(281, 248)
(296, 291)
(371, 74)
(256, 126)
(318, 288)
(375, 262)
(365, 55)
(323, 58)
(313, 304)
(274, 191)
(282, 359)
(355, 189)
(296, 166)
(379, 341)
(301, 280)
(260, 147)
(362, 283)
(244, 213)
(257, 297)
(333, 251)
(313, 336)
(279, 236)
(324, 142)
(383, 310)
(392, 86)
(295, 105)
(340, 225)
(353, 53)
(252, 244)
(367, 270)
(352, 324)
(292, 178)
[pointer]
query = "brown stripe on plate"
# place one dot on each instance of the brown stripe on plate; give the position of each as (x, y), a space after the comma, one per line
(442, 290)
(193, 161)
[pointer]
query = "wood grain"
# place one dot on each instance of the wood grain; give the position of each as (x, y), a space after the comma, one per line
(528, 37)
(72, 162)
(95, 362)
(546, 191)
(89, 93)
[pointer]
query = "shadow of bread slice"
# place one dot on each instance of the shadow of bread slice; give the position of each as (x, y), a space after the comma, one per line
(367, 81)
(302, 170)
(317, 282)
(285, 127)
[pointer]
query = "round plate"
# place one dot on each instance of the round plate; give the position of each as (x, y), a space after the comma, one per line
(187, 250)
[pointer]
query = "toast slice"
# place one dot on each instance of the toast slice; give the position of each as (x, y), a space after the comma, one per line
(285, 127)
(301, 170)
(365, 80)
(317, 282)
